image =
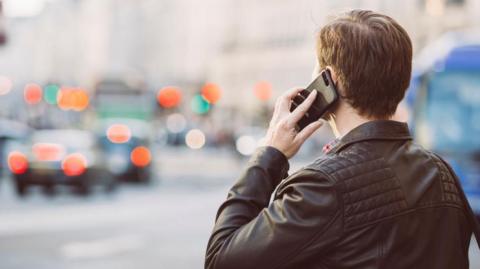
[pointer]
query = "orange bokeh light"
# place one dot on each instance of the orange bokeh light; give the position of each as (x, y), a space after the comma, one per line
(263, 90)
(118, 133)
(169, 97)
(211, 92)
(32, 93)
(140, 156)
(74, 164)
(72, 99)
(17, 162)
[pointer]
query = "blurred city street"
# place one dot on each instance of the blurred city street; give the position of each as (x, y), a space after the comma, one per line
(160, 226)
(123, 123)
(165, 226)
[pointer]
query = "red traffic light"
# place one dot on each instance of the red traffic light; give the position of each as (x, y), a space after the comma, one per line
(169, 97)
(211, 92)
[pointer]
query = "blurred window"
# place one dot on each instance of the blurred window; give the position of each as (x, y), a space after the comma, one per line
(75, 139)
(451, 115)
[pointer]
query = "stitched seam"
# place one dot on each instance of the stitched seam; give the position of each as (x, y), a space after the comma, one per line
(376, 195)
(371, 209)
(366, 173)
(372, 183)
(354, 165)
(406, 212)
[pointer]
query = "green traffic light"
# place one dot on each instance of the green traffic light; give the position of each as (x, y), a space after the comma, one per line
(50, 94)
(199, 105)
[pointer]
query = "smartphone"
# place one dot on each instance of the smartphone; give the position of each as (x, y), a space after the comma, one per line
(327, 95)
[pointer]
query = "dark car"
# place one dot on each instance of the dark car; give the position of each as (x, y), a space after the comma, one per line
(126, 145)
(58, 157)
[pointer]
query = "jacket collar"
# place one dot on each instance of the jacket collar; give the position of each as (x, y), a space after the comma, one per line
(373, 130)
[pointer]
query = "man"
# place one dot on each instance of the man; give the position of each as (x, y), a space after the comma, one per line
(374, 200)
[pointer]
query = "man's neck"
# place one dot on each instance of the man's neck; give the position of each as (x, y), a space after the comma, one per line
(345, 120)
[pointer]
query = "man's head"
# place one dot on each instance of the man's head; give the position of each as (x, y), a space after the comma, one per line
(371, 58)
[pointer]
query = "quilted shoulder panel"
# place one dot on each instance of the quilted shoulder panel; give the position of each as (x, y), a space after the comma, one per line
(369, 188)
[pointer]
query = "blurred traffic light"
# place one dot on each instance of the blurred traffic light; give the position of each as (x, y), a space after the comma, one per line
(32, 93)
(72, 99)
(169, 97)
(263, 90)
(50, 94)
(211, 93)
(199, 105)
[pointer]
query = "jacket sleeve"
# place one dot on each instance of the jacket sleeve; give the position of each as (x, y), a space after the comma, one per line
(250, 233)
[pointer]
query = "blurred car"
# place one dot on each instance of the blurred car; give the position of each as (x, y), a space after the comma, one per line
(58, 157)
(10, 133)
(126, 144)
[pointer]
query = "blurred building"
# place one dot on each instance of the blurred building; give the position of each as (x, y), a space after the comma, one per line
(235, 44)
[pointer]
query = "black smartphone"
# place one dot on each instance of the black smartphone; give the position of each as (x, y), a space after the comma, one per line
(326, 97)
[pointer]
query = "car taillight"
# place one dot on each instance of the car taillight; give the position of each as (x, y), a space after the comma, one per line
(74, 164)
(140, 156)
(17, 162)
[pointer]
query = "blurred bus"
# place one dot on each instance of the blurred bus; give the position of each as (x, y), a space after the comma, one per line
(444, 98)
(124, 111)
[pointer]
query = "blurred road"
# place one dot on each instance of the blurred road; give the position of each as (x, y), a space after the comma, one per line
(165, 225)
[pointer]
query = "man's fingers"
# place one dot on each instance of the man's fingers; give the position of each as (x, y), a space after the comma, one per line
(286, 98)
(298, 113)
(308, 131)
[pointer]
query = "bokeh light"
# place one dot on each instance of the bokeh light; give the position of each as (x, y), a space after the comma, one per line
(169, 97)
(17, 162)
(5, 85)
(176, 123)
(50, 94)
(195, 139)
(72, 99)
(263, 90)
(199, 105)
(246, 144)
(211, 93)
(74, 164)
(32, 93)
(141, 156)
(119, 133)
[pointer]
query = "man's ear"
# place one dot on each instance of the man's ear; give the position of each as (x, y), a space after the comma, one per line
(333, 73)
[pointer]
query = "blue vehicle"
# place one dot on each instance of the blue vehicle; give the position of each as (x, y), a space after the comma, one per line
(444, 98)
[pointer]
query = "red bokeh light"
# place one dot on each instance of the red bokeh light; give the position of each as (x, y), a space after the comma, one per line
(118, 133)
(140, 156)
(32, 93)
(74, 164)
(263, 90)
(211, 92)
(17, 162)
(169, 97)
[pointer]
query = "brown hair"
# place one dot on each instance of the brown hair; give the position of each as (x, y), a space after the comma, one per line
(372, 57)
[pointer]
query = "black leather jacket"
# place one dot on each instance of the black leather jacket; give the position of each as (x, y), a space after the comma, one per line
(376, 200)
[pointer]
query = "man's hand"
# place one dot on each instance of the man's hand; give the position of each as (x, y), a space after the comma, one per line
(281, 132)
